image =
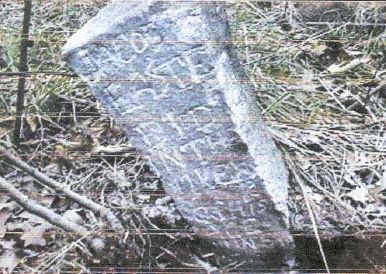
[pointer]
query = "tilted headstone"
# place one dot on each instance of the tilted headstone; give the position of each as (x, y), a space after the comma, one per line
(167, 71)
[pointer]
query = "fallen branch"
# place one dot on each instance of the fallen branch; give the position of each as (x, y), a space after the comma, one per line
(309, 209)
(47, 181)
(41, 211)
(23, 68)
(112, 149)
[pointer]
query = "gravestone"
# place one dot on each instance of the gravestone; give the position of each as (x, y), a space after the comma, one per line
(167, 72)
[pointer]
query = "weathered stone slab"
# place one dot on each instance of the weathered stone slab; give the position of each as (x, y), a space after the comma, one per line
(167, 71)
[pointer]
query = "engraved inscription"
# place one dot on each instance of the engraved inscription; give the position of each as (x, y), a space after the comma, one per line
(153, 70)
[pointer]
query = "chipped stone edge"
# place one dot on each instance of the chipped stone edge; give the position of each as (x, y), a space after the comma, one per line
(269, 162)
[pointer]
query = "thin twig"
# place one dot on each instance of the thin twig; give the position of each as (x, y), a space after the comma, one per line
(45, 180)
(37, 209)
(372, 92)
(23, 68)
(112, 149)
(310, 212)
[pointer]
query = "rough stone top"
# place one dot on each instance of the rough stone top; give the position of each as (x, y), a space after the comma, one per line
(120, 10)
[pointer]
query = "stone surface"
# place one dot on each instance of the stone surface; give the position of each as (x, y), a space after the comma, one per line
(166, 71)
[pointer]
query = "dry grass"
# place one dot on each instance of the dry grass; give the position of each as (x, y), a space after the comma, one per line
(329, 117)
(329, 120)
(63, 123)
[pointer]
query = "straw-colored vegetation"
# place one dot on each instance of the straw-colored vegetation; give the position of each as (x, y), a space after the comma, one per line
(321, 89)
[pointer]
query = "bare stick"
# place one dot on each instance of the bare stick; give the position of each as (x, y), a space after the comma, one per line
(310, 212)
(112, 149)
(23, 68)
(41, 211)
(45, 180)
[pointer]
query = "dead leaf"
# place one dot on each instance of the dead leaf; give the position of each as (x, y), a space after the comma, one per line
(8, 258)
(4, 215)
(359, 194)
(35, 235)
(351, 65)
(73, 216)
(31, 122)
(31, 217)
(4, 198)
(317, 49)
(9, 205)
